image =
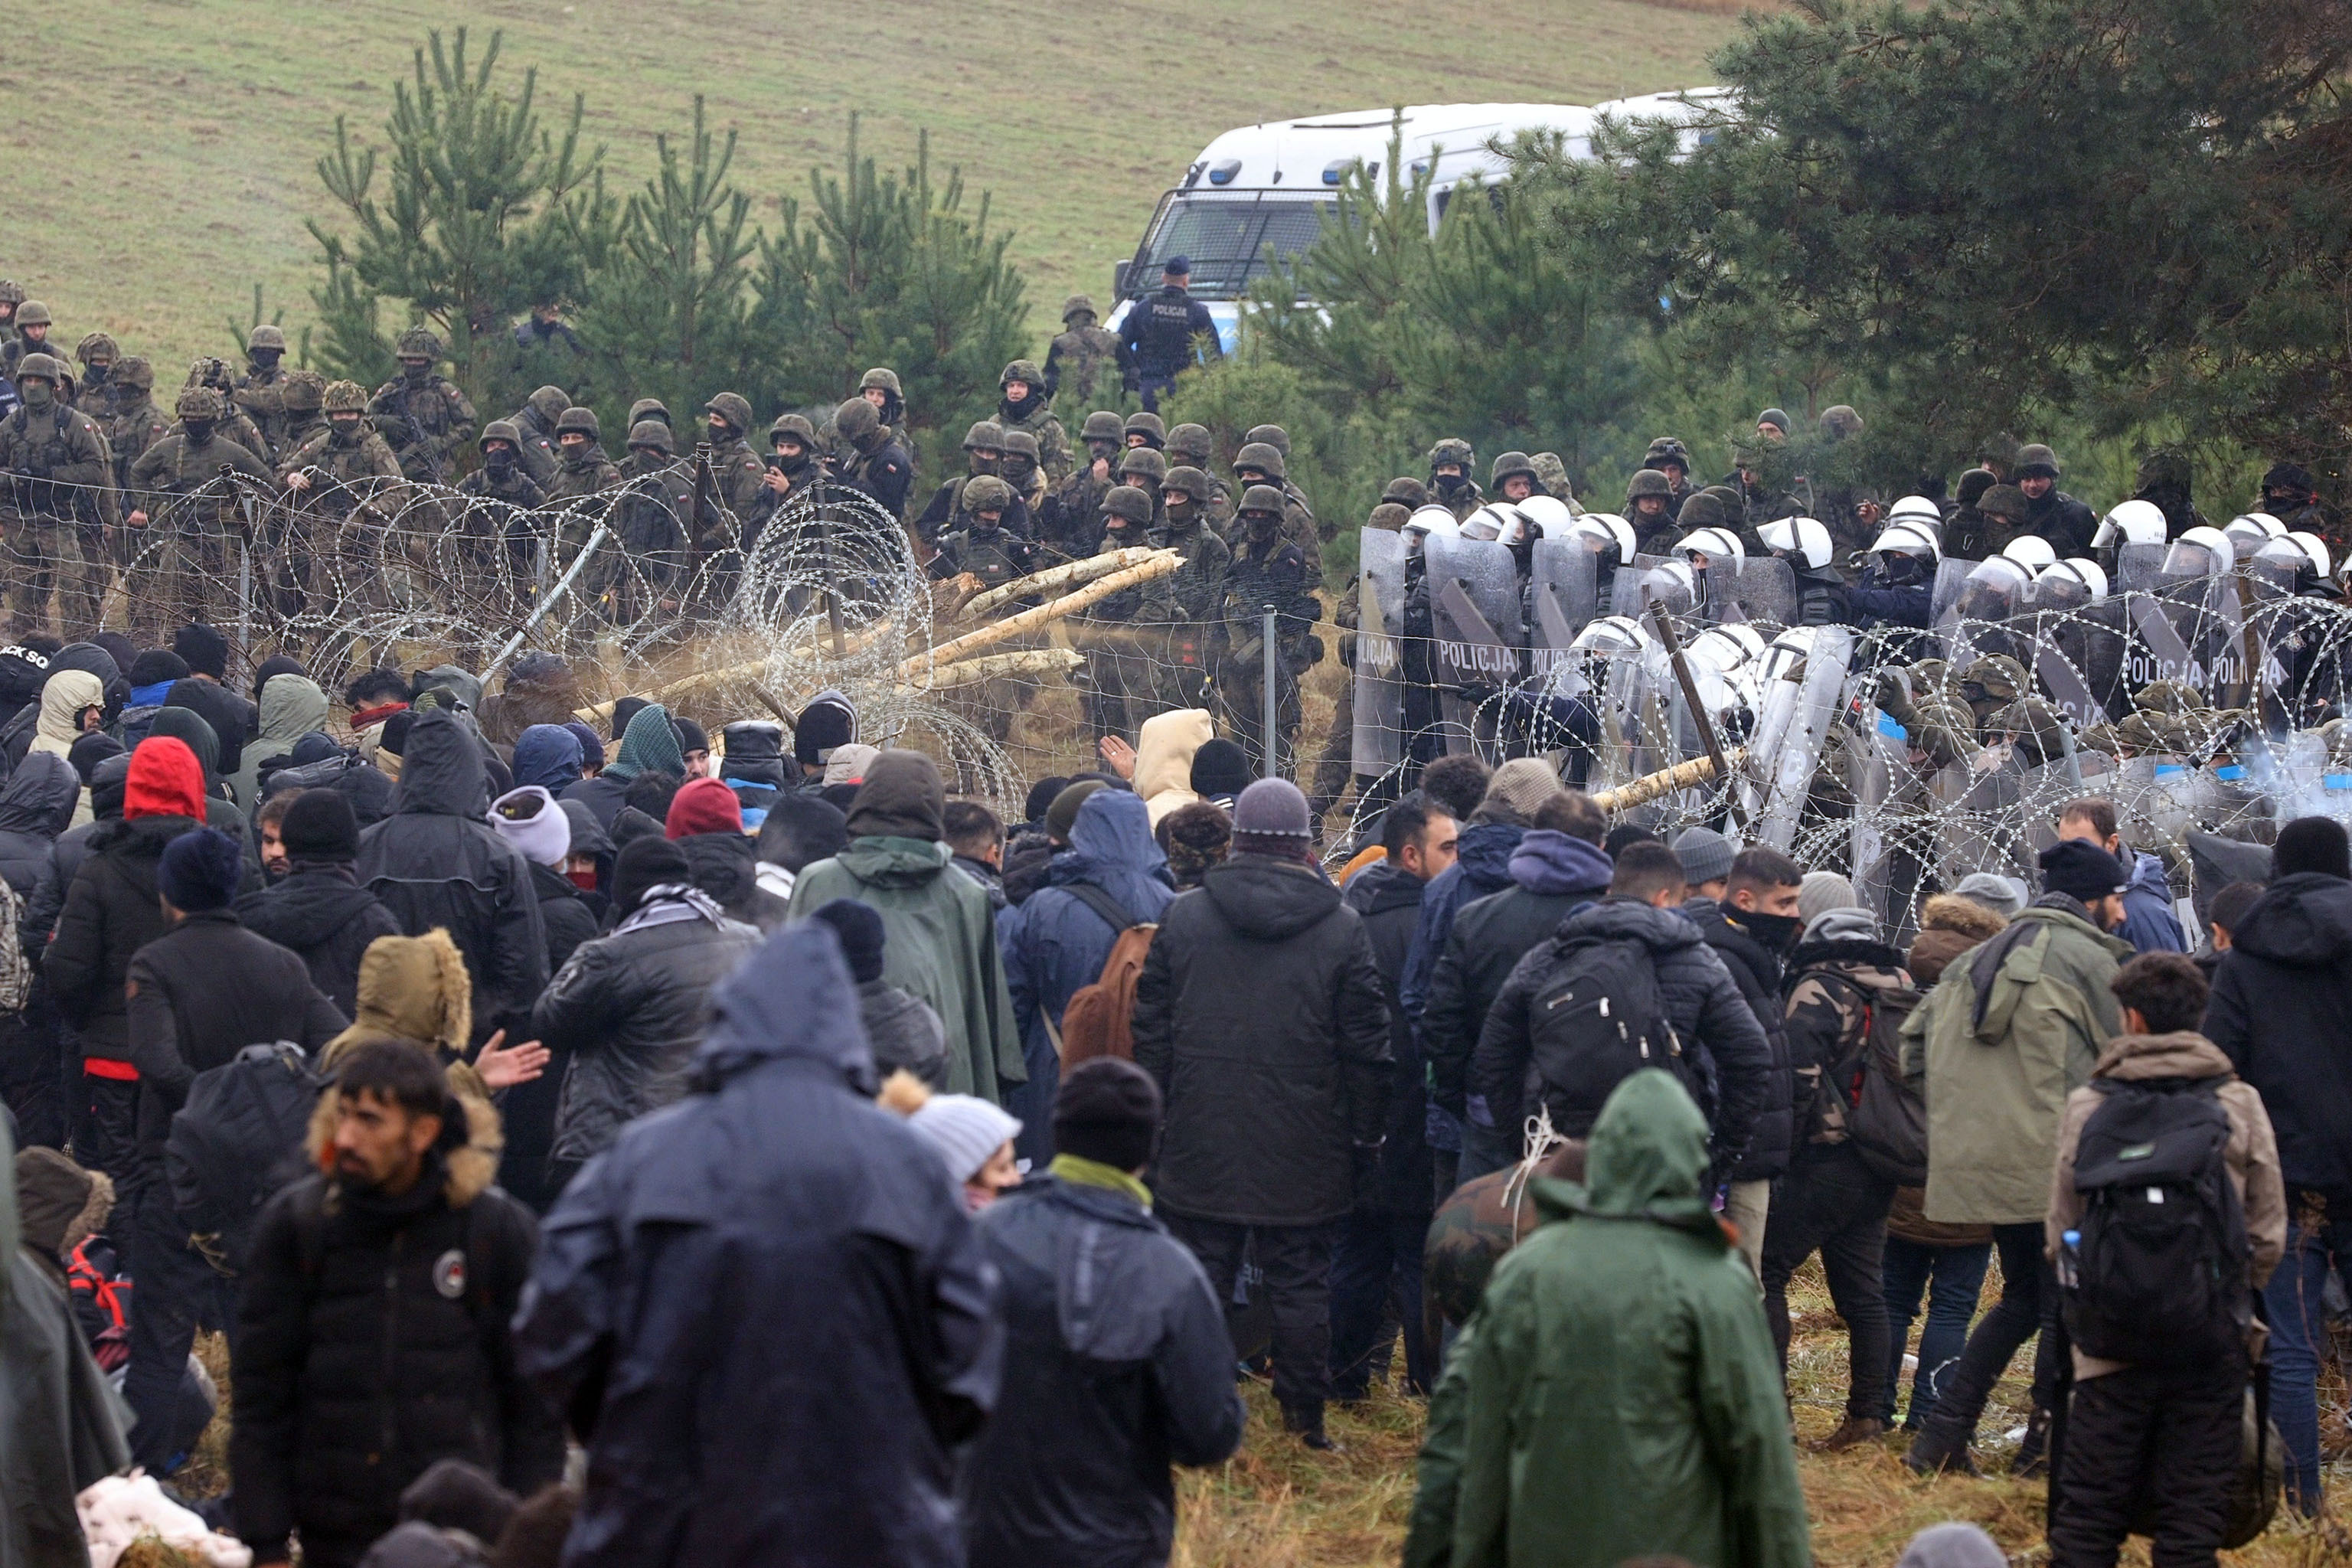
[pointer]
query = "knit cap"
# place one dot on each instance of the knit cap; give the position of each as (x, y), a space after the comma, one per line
(863, 936)
(1706, 855)
(1522, 785)
(526, 818)
(199, 870)
(1824, 891)
(703, 805)
(965, 1129)
(1847, 922)
(2002, 895)
(1270, 817)
(321, 826)
(1062, 815)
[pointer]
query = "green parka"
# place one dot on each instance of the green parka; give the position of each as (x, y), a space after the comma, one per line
(1621, 1394)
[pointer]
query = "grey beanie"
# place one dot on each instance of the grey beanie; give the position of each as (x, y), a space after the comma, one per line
(1824, 891)
(1706, 855)
(965, 1129)
(1272, 806)
(1849, 922)
(2004, 896)
(1956, 1544)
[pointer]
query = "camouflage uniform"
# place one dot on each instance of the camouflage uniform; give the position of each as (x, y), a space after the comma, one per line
(996, 556)
(947, 511)
(868, 458)
(1020, 471)
(1078, 354)
(739, 481)
(1036, 417)
(1833, 988)
(60, 485)
(534, 425)
(423, 417)
(652, 519)
(96, 353)
(1949, 728)
(1115, 635)
(191, 517)
(1266, 568)
(1263, 459)
(260, 394)
(1067, 520)
(131, 421)
(1190, 446)
(340, 513)
(800, 473)
(1338, 760)
(30, 313)
(234, 423)
(1464, 498)
(506, 497)
(1184, 605)
(1147, 470)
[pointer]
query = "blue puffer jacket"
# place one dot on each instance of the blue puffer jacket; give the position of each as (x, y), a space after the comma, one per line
(763, 1310)
(2150, 921)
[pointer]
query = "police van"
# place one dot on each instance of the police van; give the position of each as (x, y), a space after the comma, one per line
(1258, 194)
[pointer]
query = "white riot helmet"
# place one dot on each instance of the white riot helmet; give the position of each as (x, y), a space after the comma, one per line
(1800, 540)
(1602, 531)
(1916, 509)
(1994, 591)
(1738, 644)
(2292, 553)
(1674, 582)
(2249, 531)
(1715, 543)
(1516, 526)
(1613, 637)
(2312, 546)
(2071, 583)
(1489, 522)
(2031, 551)
(1548, 513)
(1429, 520)
(2132, 522)
(2200, 553)
(1788, 649)
(1909, 537)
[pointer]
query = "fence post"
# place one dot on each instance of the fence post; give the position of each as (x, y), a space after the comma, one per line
(1267, 735)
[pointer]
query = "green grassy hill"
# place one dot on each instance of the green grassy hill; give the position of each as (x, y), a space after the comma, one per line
(161, 150)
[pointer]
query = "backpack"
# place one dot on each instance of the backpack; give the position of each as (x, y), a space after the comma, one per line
(1888, 1123)
(1099, 1020)
(15, 969)
(2159, 1276)
(1597, 1020)
(236, 1141)
(101, 1295)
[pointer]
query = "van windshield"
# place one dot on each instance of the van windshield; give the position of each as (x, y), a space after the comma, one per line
(1227, 238)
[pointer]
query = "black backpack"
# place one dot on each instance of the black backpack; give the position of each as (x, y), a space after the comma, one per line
(1888, 1124)
(238, 1141)
(1597, 1020)
(2158, 1278)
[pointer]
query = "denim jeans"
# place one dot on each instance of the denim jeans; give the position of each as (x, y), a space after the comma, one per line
(1831, 1203)
(2317, 1240)
(1377, 1261)
(1953, 1278)
(2028, 1306)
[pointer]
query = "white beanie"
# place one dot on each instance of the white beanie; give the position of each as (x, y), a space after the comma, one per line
(543, 837)
(965, 1129)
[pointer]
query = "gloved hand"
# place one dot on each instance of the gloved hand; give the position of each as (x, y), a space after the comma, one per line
(1893, 692)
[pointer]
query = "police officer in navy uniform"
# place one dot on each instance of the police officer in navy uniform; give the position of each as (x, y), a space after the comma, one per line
(1162, 330)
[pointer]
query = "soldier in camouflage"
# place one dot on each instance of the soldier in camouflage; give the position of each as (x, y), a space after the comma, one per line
(32, 337)
(984, 547)
(581, 467)
(1266, 568)
(1262, 463)
(131, 421)
(1081, 351)
(645, 408)
(1991, 702)
(1067, 520)
(868, 458)
(738, 476)
(1184, 604)
(1019, 468)
(186, 512)
(425, 417)
(59, 487)
(879, 386)
(1552, 474)
(1117, 681)
(1451, 484)
(303, 393)
(791, 472)
(506, 494)
(96, 353)
(344, 482)
(653, 517)
(1027, 406)
(1147, 470)
(1514, 477)
(260, 392)
(12, 295)
(234, 423)
(983, 454)
(534, 423)
(1146, 429)
(1190, 447)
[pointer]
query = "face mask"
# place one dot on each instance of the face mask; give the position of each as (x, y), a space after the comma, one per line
(1775, 933)
(498, 460)
(264, 359)
(1180, 511)
(94, 375)
(36, 394)
(583, 880)
(199, 431)
(414, 374)
(346, 431)
(1451, 482)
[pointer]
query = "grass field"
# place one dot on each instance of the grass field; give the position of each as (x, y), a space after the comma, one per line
(162, 150)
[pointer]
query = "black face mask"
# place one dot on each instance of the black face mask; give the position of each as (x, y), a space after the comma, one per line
(265, 360)
(199, 431)
(93, 376)
(1774, 933)
(414, 374)
(344, 431)
(1450, 482)
(498, 460)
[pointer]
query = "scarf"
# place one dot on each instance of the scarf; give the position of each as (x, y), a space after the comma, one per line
(666, 903)
(1082, 1173)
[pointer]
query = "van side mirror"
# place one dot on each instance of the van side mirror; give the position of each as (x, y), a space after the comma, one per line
(1118, 270)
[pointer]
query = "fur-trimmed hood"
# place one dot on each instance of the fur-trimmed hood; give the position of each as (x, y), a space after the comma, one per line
(60, 1204)
(472, 1164)
(411, 988)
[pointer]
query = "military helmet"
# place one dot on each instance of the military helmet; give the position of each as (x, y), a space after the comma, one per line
(583, 420)
(1273, 436)
(195, 402)
(1389, 517)
(883, 378)
(135, 370)
(797, 426)
(1511, 463)
(343, 397)
(2007, 501)
(1189, 481)
(1192, 442)
(1667, 449)
(2035, 459)
(643, 408)
(500, 430)
(549, 402)
(1023, 370)
(1704, 509)
(2000, 676)
(1261, 456)
(33, 313)
(1144, 460)
(1129, 502)
(986, 493)
(97, 346)
(267, 335)
(305, 390)
(40, 365)
(856, 420)
(1260, 498)
(1102, 424)
(985, 436)
(417, 343)
(1022, 442)
(1406, 492)
(1149, 426)
(731, 406)
(655, 434)
(11, 291)
(1074, 305)
(1452, 449)
(1735, 505)
(1649, 482)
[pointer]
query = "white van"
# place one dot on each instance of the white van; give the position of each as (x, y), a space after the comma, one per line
(1261, 191)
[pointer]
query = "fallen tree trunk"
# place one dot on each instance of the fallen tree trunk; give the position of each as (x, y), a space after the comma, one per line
(1056, 579)
(1650, 786)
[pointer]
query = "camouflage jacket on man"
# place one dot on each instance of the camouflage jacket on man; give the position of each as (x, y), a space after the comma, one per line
(1053, 441)
(1070, 521)
(537, 452)
(653, 516)
(591, 473)
(343, 473)
(174, 468)
(1835, 989)
(996, 556)
(1075, 359)
(261, 397)
(517, 489)
(1279, 578)
(130, 431)
(424, 425)
(1191, 594)
(58, 466)
(739, 476)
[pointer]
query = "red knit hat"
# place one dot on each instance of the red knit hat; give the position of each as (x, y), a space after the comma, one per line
(165, 780)
(703, 805)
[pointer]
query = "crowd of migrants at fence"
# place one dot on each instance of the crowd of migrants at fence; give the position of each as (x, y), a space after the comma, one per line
(857, 1004)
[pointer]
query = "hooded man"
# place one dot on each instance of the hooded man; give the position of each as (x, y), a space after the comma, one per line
(291, 707)
(779, 1187)
(36, 803)
(318, 910)
(648, 745)
(942, 943)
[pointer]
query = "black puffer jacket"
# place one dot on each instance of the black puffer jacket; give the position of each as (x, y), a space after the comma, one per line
(1758, 974)
(36, 805)
(322, 915)
(1117, 1365)
(1702, 1002)
(47, 899)
(726, 866)
(1389, 898)
(437, 862)
(2279, 1003)
(570, 918)
(626, 1013)
(373, 1342)
(1260, 1013)
(110, 912)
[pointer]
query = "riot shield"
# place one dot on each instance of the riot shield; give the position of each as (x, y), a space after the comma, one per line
(1654, 579)
(1565, 599)
(1473, 597)
(1760, 591)
(1978, 828)
(2137, 567)
(1380, 667)
(2156, 651)
(1792, 756)
(1950, 575)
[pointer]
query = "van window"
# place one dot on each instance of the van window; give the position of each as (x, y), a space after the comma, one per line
(1226, 240)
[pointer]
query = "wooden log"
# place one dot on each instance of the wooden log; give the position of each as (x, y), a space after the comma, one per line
(1161, 564)
(1682, 775)
(1055, 580)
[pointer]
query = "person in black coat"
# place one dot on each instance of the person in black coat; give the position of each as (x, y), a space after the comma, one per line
(765, 1312)
(197, 732)
(436, 862)
(1379, 1246)
(199, 993)
(628, 1009)
(234, 718)
(705, 822)
(1260, 1013)
(1116, 1362)
(536, 824)
(319, 911)
(1164, 331)
(47, 899)
(372, 1332)
(36, 806)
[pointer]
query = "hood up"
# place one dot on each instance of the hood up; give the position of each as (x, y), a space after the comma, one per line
(1269, 900)
(40, 796)
(1111, 848)
(792, 1000)
(441, 770)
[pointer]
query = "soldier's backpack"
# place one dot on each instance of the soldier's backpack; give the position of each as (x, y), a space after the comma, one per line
(1598, 1020)
(1097, 1022)
(15, 969)
(236, 1141)
(2159, 1275)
